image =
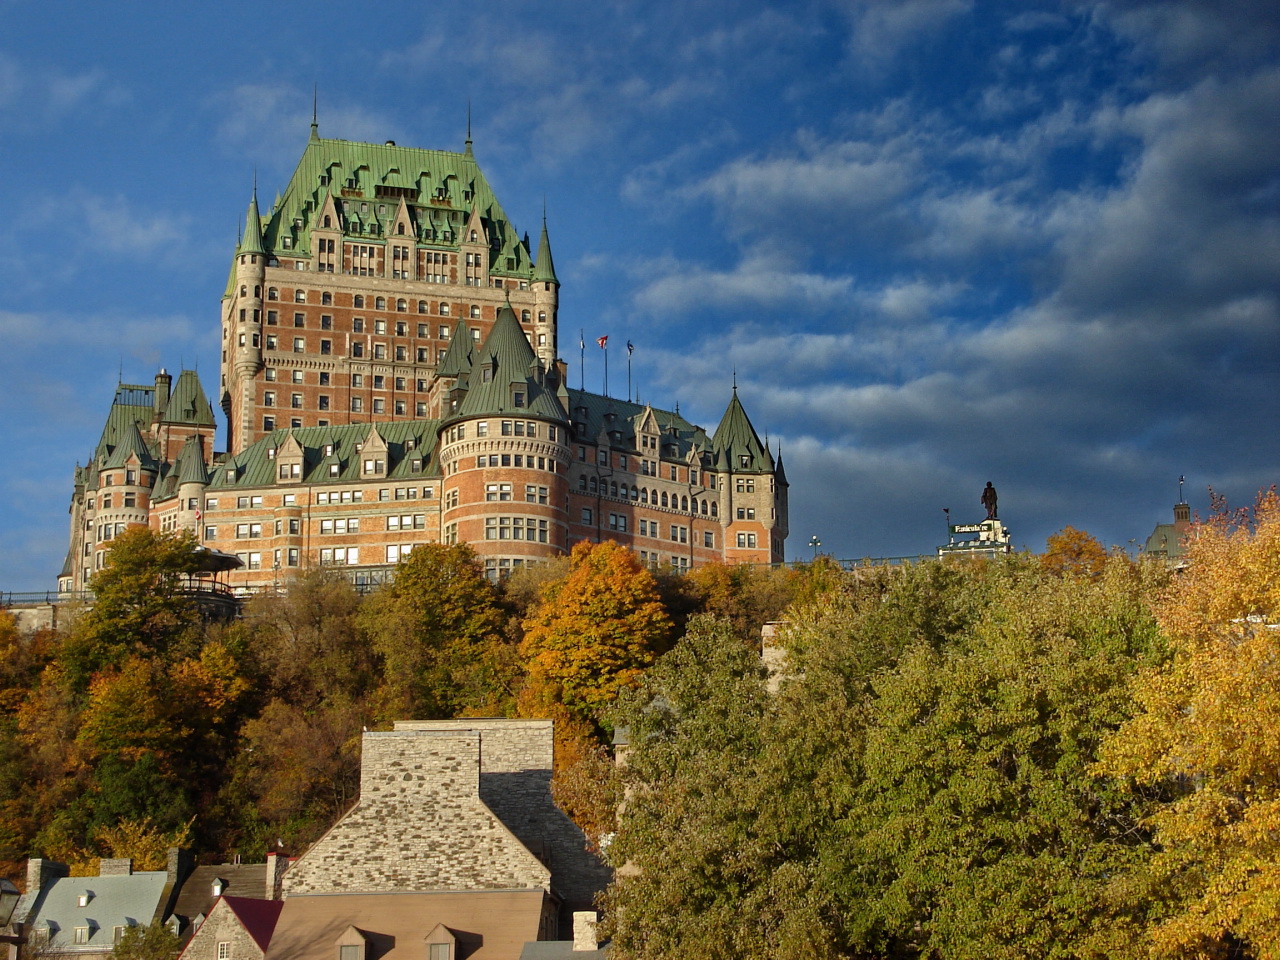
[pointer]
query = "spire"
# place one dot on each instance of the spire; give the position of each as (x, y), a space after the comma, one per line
(457, 360)
(252, 240)
(315, 107)
(507, 376)
(544, 270)
(467, 150)
(736, 444)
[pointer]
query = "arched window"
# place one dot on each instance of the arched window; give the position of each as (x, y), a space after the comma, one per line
(635, 494)
(244, 290)
(273, 293)
(257, 290)
(594, 487)
(664, 498)
(624, 491)
(381, 303)
(684, 504)
(582, 481)
(444, 309)
(422, 306)
(402, 306)
(473, 236)
(613, 489)
(328, 221)
(400, 229)
(704, 508)
(715, 509)
(358, 302)
(644, 495)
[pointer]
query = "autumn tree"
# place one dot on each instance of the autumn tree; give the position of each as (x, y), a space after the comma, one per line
(1205, 742)
(152, 942)
(438, 629)
(747, 595)
(596, 630)
(1072, 551)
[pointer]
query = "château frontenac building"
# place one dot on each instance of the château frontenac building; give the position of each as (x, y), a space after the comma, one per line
(390, 376)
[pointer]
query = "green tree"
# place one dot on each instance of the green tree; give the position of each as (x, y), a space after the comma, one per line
(438, 629)
(152, 942)
(140, 605)
(920, 786)
(596, 630)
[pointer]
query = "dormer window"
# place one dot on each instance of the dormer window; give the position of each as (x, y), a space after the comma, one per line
(218, 885)
(517, 398)
(83, 899)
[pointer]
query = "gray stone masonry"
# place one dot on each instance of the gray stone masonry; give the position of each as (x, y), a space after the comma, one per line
(419, 825)
(516, 760)
(222, 926)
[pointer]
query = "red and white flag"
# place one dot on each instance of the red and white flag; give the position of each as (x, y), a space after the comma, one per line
(602, 341)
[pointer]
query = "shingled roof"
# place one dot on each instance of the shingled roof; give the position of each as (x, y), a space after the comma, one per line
(736, 445)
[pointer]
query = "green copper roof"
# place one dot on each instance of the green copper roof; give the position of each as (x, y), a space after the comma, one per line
(131, 443)
(133, 406)
(188, 403)
(368, 181)
(593, 411)
(190, 466)
(736, 439)
(545, 271)
(408, 441)
(457, 360)
(252, 241)
(506, 376)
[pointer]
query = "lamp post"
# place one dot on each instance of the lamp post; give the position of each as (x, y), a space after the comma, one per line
(815, 543)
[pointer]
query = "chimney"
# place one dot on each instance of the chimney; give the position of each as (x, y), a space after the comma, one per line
(40, 872)
(163, 384)
(584, 930)
(121, 867)
(277, 864)
(179, 866)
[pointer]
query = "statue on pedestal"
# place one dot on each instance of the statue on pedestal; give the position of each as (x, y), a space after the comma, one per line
(989, 501)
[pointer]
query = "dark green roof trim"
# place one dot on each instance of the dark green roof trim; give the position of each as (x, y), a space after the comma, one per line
(407, 441)
(505, 369)
(131, 444)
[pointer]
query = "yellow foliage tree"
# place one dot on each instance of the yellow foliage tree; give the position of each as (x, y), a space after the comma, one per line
(1206, 739)
(595, 631)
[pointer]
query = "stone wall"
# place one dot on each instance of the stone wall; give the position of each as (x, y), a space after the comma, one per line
(222, 926)
(419, 825)
(516, 761)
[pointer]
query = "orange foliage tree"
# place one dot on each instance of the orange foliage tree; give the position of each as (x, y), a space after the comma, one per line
(1072, 551)
(596, 630)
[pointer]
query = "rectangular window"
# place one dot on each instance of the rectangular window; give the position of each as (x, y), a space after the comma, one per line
(82, 935)
(708, 539)
(298, 344)
(224, 950)
(587, 516)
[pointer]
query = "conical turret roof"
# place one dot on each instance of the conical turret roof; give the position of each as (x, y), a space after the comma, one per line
(131, 442)
(736, 445)
(544, 271)
(252, 241)
(507, 377)
(188, 403)
(457, 359)
(191, 463)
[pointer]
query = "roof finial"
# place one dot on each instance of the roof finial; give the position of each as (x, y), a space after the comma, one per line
(315, 111)
(468, 119)
(735, 379)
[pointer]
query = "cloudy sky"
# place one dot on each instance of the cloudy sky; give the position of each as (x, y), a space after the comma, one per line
(941, 241)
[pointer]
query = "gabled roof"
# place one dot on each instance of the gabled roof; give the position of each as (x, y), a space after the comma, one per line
(735, 439)
(367, 181)
(504, 365)
(241, 881)
(188, 402)
(407, 441)
(258, 917)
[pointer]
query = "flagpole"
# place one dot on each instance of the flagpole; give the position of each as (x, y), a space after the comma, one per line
(606, 368)
(629, 349)
(582, 361)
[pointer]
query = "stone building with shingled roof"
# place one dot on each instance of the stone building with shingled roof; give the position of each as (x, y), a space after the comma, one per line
(390, 377)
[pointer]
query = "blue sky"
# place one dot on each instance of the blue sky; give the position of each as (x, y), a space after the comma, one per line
(942, 242)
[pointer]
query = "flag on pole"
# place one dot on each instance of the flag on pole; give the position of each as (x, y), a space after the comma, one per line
(582, 343)
(630, 348)
(602, 342)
